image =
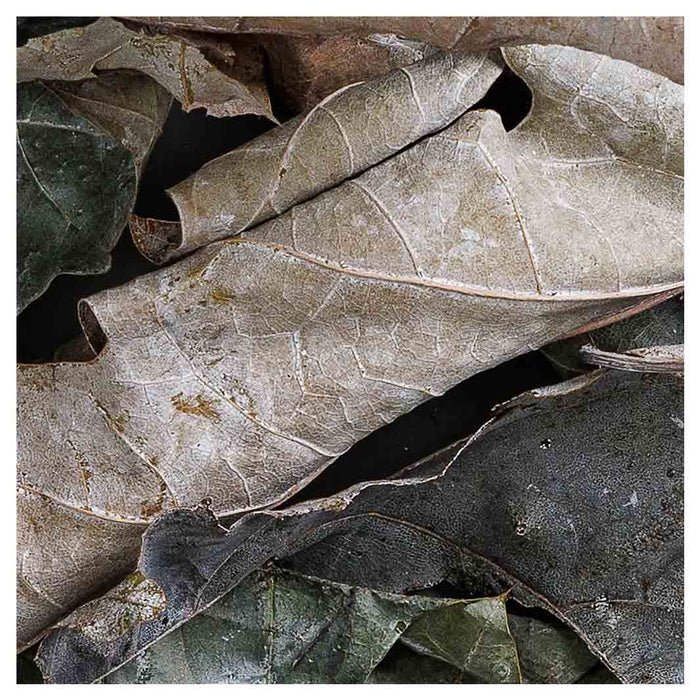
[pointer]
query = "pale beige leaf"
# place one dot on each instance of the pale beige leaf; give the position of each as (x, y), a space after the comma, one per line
(241, 372)
(349, 131)
(182, 69)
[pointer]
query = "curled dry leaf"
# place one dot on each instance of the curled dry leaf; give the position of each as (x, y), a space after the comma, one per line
(182, 69)
(662, 358)
(80, 150)
(654, 43)
(244, 370)
(346, 133)
(651, 341)
(570, 498)
(281, 627)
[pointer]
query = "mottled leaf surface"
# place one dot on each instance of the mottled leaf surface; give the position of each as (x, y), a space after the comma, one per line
(280, 627)
(654, 43)
(179, 67)
(241, 372)
(80, 148)
(571, 498)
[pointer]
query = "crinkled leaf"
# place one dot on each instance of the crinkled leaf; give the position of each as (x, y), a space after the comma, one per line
(243, 371)
(179, 67)
(654, 43)
(571, 498)
(349, 131)
(280, 627)
(649, 341)
(80, 148)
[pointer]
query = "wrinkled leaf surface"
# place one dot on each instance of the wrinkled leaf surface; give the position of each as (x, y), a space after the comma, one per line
(80, 148)
(179, 67)
(654, 43)
(280, 627)
(349, 131)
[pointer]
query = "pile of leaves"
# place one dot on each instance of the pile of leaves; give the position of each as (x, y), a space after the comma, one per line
(398, 225)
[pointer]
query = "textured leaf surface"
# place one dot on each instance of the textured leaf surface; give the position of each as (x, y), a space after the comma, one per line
(571, 498)
(80, 148)
(179, 67)
(280, 627)
(306, 70)
(241, 372)
(654, 43)
(649, 341)
(349, 131)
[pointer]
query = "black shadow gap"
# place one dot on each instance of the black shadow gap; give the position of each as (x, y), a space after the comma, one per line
(431, 426)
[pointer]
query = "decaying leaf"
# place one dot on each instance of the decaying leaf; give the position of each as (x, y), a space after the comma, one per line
(651, 341)
(306, 70)
(280, 627)
(182, 69)
(571, 498)
(654, 43)
(548, 652)
(80, 149)
(241, 372)
(349, 131)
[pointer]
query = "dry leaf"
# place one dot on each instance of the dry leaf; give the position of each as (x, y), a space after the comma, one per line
(72, 54)
(651, 341)
(305, 70)
(241, 372)
(81, 148)
(654, 43)
(349, 131)
(280, 627)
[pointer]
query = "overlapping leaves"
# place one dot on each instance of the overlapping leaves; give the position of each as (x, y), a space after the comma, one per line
(241, 372)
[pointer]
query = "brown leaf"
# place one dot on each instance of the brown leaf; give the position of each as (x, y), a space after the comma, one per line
(654, 43)
(241, 372)
(305, 70)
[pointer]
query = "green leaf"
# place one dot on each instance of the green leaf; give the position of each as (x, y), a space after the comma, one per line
(281, 627)
(549, 651)
(79, 150)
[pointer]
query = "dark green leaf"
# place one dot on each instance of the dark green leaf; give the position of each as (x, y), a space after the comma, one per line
(79, 148)
(549, 651)
(280, 627)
